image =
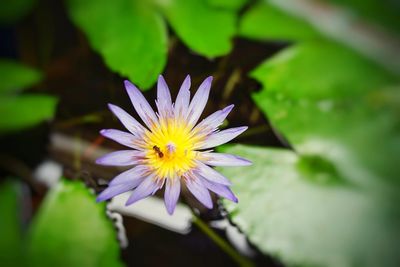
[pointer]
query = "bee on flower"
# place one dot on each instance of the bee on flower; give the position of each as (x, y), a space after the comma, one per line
(171, 149)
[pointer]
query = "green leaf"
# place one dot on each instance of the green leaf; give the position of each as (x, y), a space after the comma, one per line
(232, 4)
(10, 224)
(13, 10)
(304, 223)
(71, 229)
(19, 112)
(205, 29)
(384, 13)
(15, 76)
(133, 38)
(129, 34)
(328, 101)
(266, 22)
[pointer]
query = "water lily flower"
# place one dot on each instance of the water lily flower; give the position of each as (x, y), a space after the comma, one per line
(171, 149)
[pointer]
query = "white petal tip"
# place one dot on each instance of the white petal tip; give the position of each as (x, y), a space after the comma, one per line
(128, 203)
(114, 108)
(245, 162)
(170, 212)
(161, 80)
(130, 86)
(127, 83)
(229, 108)
(209, 205)
(102, 197)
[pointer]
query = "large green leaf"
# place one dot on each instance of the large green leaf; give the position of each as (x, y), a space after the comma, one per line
(13, 10)
(205, 29)
(329, 101)
(231, 4)
(24, 111)
(263, 21)
(71, 229)
(15, 76)
(304, 219)
(382, 12)
(10, 224)
(129, 34)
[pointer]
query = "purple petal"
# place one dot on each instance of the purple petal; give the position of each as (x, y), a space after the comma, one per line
(121, 158)
(183, 98)
(142, 107)
(222, 159)
(149, 186)
(171, 195)
(199, 101)
(219, 189)
(127, 120)
(211, 174)
(210, 123)
(112, 191)
(123, 138)
(198, 190)
(221, 137)
(164, 102)
(134, 175)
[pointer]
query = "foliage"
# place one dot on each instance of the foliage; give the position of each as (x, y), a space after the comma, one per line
(19, 111)
(263, 21)
(133, 38)
(16, 77)
(233, 4)
(13, 10)
(329, 202)
(70, 229)
(380, 12)
(307, 218)
(10, 224)
(335, 104)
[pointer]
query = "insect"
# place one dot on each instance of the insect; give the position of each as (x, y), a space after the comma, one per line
(158, 151)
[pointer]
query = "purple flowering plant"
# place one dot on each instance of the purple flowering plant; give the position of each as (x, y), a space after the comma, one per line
(171, 148)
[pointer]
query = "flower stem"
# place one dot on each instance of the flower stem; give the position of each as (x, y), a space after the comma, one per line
(205, 228)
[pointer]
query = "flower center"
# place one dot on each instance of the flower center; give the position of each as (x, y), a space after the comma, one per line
(170, 149)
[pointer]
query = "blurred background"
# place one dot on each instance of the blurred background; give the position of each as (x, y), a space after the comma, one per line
(316, 81)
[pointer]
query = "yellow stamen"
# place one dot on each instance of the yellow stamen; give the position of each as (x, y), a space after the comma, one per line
(170, 150)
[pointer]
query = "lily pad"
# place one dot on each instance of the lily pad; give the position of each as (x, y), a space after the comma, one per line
(383, 13)
(24, 111)
(232, 4)
(71, 229)
(10, 224)
(15, 76)
(304, 223)
(263, 21)
(329, 101)
(133, 38)
(130, 35)
(205, 29)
